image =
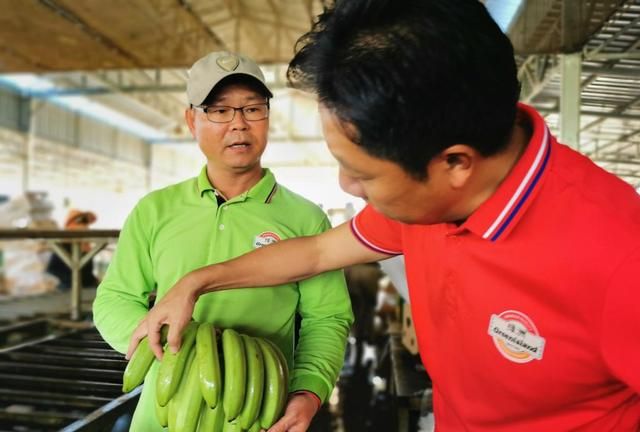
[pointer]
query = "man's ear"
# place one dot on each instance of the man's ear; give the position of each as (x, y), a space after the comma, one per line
(190, 117)
(460, 160)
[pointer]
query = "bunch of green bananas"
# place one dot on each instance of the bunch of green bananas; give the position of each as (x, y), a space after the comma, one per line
(239, 384)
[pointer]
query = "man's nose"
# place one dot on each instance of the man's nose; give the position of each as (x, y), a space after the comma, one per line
(351, 186)
(239, 122)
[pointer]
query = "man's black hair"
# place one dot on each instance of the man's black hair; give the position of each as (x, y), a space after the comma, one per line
(413, 76)
(247, 80)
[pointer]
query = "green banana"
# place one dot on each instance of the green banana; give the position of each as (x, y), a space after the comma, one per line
(275, 389)
(140, 363)
(162, 413)
(175, 403)
(232, 426)
(138, 366)
(172, 366)
(283, 361)
(255, 427)
(189, 399)
(255, 382)
(235, 373)
(211, 419)
(172, 412)
(209, 364)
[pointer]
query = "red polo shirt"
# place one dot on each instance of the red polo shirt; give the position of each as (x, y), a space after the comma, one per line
(528, 314)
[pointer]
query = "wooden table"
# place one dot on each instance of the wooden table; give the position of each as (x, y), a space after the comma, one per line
(98, 239)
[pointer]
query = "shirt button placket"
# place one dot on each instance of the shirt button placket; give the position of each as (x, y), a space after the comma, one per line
(223, 208)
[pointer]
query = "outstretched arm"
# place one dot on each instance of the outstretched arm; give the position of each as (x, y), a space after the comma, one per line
(286, 261)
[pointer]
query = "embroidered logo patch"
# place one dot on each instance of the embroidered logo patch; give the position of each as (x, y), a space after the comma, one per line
(265, 239)
(228, 62)
(516, 336)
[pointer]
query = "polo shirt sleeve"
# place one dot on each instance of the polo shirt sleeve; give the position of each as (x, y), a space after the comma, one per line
(620, 338)
(122, 298)
(377, 232)
(326, 317)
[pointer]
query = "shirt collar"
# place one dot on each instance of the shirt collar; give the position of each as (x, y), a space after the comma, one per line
(263, 191)
(497, 216)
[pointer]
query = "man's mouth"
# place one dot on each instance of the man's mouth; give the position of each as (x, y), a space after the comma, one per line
(238, 145)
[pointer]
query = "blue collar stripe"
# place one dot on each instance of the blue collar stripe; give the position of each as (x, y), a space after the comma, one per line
(513, 213)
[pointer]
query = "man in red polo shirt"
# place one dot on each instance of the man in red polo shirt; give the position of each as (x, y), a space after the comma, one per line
(522, 256)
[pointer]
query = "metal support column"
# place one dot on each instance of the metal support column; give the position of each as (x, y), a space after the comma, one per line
(29, 150)
(76, 261)
(570, 66)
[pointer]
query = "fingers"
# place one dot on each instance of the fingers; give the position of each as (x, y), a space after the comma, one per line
(155, 342)
(138, 334)
(280, 426)
(175, 311)
(175, 337)
(300, 410)
(287, 425)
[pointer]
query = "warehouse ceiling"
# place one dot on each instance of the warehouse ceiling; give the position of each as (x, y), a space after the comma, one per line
(68, 35)
(131, 55)
(557, 26)
(610, 78)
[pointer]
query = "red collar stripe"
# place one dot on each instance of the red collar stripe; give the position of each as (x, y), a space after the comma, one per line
(523, 191)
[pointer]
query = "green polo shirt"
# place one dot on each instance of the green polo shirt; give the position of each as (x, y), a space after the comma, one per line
(181, 228)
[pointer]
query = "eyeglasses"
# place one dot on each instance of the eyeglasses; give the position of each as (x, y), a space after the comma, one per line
(226, 114)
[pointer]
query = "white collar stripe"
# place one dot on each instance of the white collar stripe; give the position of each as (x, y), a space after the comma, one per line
(367, 243)
(524, 197)
(523, 184)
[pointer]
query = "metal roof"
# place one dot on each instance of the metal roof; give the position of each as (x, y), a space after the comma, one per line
(131, 55)
(610, 91)
(66, 35)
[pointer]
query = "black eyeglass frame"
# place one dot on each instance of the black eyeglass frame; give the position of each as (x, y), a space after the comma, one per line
(204, 109)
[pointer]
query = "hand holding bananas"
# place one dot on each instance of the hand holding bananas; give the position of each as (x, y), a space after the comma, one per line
(216, 381)
(175, 310)
(301, 409)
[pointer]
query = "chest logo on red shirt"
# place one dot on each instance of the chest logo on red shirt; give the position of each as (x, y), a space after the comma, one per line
(265, 239)
(516, 336)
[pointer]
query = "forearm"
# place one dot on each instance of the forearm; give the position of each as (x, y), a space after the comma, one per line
(278, 264)
(281, 263)
(284, 262)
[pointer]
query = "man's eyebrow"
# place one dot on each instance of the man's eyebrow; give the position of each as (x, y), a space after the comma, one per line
(220, 100)
(348, 166)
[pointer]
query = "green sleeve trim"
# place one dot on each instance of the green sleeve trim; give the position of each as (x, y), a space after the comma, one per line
(312, 383)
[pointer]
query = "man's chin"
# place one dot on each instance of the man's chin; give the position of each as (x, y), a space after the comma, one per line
(245, 168)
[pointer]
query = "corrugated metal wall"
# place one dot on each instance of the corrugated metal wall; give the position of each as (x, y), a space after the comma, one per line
(63, 126)
(12, 145)
(79, 161)
(12, 111)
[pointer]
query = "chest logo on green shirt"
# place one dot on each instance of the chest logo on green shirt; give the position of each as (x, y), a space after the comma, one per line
(516, 336)
(265, 239)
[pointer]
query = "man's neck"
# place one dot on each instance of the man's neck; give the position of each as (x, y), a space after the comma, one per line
(232, 184)
(492, 171)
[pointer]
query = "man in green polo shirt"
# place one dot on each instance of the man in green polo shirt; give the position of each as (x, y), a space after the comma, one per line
(232, 207)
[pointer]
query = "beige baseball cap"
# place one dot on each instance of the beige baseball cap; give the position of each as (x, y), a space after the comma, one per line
(207, 72)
